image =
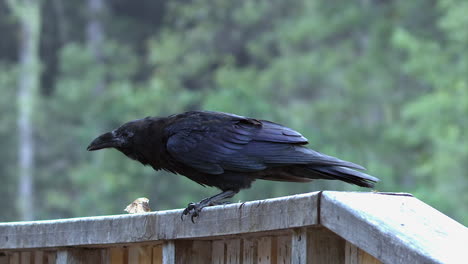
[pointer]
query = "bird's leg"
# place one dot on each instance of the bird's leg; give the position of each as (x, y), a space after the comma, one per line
(194, 209)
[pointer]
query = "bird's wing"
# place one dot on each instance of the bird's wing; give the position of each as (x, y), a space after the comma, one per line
(215, 145)
(272, 132)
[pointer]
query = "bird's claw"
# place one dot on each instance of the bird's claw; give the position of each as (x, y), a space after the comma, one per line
(193, 209)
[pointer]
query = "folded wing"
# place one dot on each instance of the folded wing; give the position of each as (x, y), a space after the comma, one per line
(244, 145)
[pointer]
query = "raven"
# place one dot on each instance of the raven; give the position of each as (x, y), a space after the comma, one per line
(226, 151)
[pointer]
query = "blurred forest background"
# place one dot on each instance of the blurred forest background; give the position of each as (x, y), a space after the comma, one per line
(377, 82)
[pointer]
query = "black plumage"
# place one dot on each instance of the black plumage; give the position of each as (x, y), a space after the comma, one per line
(226, 151)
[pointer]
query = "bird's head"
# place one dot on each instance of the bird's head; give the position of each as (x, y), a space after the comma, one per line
(124, 138)
(117, 138)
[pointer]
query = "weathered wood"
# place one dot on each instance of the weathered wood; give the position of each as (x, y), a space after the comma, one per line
(218, 252)
(201, 251)
(299, 246)
(324, 246)
(15, 258)
(354, 255)
(394, 229)
(51, 257)
(157, 254)
(25, 257)
(249, 251)
(264, 253)
(257, 216)
(82, 256)
(141, 254)
(391, 228)
(4, 259)
(38, 257)
(116, 255)
(146, 255)
(365, 258)
(196, 252)
(168, 251)
(233, 251)
(284, 250)
(133, 254)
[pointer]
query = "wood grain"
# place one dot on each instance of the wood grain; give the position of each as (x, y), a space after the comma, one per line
(169, 253)
(356, 227)
(393, 228)
(264, 251)
(284, 250)
(232, 219)
(82, 256)
(249, 251)
(324, 246)
(157, 254)
(233, 251)
(218, 252)
(299, 245)
(116, 255)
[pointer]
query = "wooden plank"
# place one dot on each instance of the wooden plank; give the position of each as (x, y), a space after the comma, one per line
(82, 256)
(133, 254)
(50, 257)
(284, 250)
(274, 249)
(352, 254)
(218, 252)
(299, 246)
(4, 258)
(63, 257)
(365, 258)
(249, 251)
(233, 251)
(157, 254)
(196, 252)
(38, 257)
(257, 216)
(325, 246)
(168, 250)
(183, 252)
(201, 251)
(145, 254)
(264, 253)
(25, 257)
(15, 258)
(116, 255)
(393, 228)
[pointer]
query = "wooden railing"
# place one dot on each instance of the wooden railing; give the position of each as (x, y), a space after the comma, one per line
(320, 227)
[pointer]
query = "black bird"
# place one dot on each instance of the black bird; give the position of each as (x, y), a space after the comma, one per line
(226, 151)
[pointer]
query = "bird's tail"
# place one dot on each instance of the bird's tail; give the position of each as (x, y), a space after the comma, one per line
(345, 174)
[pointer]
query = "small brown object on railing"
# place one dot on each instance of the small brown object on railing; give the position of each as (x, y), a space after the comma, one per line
(140, 205)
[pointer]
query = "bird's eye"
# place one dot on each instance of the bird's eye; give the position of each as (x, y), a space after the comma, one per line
(127, 134)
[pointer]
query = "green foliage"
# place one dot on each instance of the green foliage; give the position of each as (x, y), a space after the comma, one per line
(380, 83)
(437, 117)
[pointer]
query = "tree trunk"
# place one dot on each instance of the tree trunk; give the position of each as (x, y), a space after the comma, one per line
(28, 14)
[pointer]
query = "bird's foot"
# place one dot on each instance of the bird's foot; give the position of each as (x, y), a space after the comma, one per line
(193, 209)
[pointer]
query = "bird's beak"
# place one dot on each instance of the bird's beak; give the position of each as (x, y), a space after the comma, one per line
(106, 140)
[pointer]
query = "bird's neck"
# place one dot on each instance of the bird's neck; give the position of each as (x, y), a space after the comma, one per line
(151, 147)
